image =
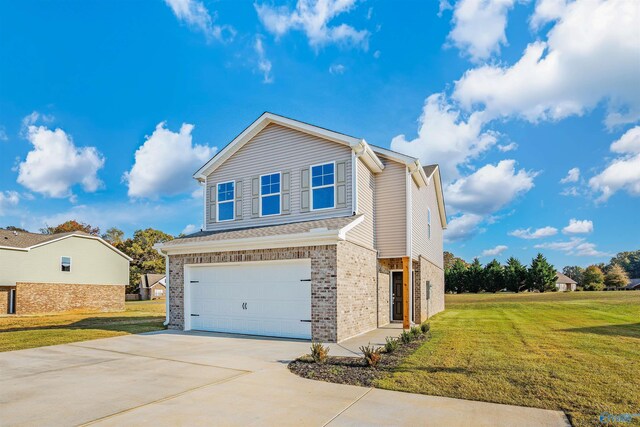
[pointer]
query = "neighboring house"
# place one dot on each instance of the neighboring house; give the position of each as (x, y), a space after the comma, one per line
(42, 273)
(565, 283)
(634, 284)
(152, 286)
(309, 233)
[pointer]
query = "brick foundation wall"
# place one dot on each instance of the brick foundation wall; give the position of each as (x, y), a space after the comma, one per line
(357, 290)
(4, 299)
(323, 282)
(435, 275)
(36, 298)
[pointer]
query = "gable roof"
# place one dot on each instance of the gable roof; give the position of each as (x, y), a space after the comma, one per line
(151, 279)
(433, 172)
(565, 279)
(359, 145)
(25, 241)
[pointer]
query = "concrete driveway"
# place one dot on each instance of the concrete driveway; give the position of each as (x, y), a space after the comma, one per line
(191, 379)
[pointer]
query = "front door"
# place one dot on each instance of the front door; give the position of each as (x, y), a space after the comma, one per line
(396, 295)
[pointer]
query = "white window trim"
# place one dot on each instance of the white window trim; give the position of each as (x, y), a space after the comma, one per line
(232, 201)
(429, 223)
(335, 179)
(70, 263)
(279, 194)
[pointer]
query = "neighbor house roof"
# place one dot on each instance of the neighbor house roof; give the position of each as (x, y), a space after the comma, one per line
(565, 279)
(151, 279)
(321, 231)
(25, 241)
(633, 283)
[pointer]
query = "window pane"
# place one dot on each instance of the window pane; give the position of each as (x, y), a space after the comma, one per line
(316, 181)
(327, 179)
(225, 211)
(271, 205)
(323, 198)
(327, 169)
(316, 171)
(66, 263)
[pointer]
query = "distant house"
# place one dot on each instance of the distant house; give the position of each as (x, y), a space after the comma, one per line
(634, 285)
(152, 286)
(565, 283)
(46, 273)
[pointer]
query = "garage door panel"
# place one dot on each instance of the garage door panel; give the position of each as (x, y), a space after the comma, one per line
(262, 298)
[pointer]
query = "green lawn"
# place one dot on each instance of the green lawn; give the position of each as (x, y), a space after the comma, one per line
(19, 332)
(575, 352)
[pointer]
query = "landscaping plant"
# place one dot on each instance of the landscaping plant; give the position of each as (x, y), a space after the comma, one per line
(415, 331)
(425, 327)
(371, 354)
(391, 345)
(319, 352)
(406, 337)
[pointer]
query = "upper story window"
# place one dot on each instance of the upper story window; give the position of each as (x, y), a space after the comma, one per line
(323, 187)
(270, 194)
(429, 223)
(65, 263)
(226, 201)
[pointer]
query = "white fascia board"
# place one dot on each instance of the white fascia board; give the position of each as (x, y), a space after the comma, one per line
(342, 233)
(398, 157)
(11, 248)
(324, 237)
(440, 196)
(82, 236)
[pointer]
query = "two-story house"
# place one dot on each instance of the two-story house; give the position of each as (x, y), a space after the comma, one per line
(309, 233)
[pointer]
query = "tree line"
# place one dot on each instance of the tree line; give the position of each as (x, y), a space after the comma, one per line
(139, 247)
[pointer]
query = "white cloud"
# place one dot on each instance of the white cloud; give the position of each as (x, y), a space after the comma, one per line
(479, 26)
(576, 246)
(578, 227)
(337, 69)
(547, 11)
(165, 163)
(264, 64)
(494, 251)
(190, 229)
(489, 188)
(377, 54)
(463, 227)
(8, 199)
(444, 137)
(504, 148)
(313, 17)
(55, 164)
(195, 14)
(589, 56)
(623, 173)
(572, 176)
(536, 234)
(3, 134)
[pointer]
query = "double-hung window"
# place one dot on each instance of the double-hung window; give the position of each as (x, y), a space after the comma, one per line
(270, 194)
(65, 263)
(323, 186)
(226, 197)
(429, 223)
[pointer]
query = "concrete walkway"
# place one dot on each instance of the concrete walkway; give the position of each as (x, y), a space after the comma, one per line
(192, 379)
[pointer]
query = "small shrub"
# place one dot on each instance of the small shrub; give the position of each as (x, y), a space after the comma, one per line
(371, 355)
(391, 345)
(319, 352)
(406, 337)
(425, 328)
(415, 331)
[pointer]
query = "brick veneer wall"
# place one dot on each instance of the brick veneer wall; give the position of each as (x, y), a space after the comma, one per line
(384, 294)
(357, 290)
(435, 275)
(323, 282)
(4, 299)
(34, 298)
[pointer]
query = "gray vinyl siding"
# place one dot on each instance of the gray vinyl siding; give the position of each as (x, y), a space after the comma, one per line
(421, 200)
(390, 204)
(277, 149)
(364, 233)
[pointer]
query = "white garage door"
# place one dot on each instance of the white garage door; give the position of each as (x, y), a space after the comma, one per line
(271, 298)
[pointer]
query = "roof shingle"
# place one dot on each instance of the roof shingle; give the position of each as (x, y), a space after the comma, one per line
(23, 240)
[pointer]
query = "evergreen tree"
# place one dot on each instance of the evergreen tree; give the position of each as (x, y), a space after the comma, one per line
(493, 277)
(541, 276)
(616, 277)
(593, 279)
(515, 275)
(475, 277)
(455, 277)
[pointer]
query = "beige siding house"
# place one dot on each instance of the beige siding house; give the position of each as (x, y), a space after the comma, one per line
(61, 272)
(309, 234)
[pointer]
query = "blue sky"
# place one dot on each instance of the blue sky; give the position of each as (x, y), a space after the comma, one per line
(530, 107)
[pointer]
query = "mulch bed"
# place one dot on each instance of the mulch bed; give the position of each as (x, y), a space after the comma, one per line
(353, 370)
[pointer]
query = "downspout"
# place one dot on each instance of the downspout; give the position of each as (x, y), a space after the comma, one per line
(410, 242)
(166, 284)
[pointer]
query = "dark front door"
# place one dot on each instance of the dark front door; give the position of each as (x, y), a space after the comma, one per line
(396, 295)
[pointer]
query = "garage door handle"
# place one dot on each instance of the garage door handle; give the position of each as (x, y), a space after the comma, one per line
(305, 280)
(194, 281)
(195, 315)
(306, 321)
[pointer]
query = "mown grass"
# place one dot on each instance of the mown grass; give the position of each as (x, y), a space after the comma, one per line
(574, 352)
(20, 332)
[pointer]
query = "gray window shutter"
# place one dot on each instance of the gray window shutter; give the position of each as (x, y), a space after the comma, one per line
(212, 203)
(341, 184)
(255, 196)
(285, 191)
(238, 199)
(304, 190)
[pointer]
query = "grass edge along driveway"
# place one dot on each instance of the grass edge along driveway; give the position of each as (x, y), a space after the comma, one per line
(575, 352)
(21, 332)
